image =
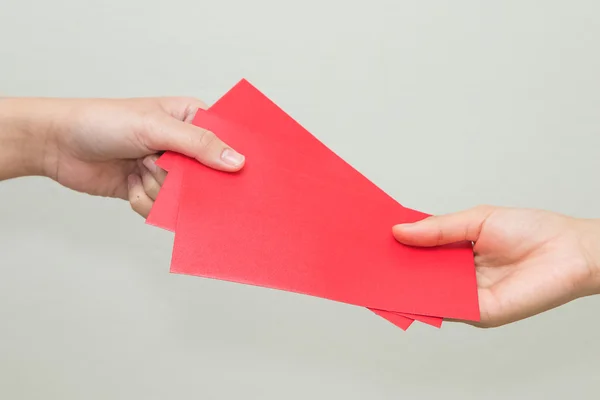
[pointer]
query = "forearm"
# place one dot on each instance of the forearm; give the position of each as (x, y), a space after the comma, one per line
(23, 132)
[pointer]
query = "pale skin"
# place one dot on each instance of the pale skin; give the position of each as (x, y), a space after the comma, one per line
(106, 147)
(527, 261)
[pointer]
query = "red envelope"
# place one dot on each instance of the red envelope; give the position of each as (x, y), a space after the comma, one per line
(299, 218)
(165, 210)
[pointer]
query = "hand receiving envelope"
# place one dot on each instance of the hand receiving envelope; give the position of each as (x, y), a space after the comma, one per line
(299, 218)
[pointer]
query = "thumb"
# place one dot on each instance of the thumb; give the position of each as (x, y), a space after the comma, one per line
(200, 144)
(444, 229)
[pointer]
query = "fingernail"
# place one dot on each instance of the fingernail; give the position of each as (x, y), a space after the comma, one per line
(150, 163)
(232, 157)
(132, 180)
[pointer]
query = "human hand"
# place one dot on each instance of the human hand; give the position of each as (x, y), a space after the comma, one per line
(527, 261)
(108, 147)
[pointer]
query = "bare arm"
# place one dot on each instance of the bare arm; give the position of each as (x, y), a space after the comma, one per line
(22, 140)
(105, 147)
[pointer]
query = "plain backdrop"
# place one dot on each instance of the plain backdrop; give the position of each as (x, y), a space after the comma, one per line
(443, 104)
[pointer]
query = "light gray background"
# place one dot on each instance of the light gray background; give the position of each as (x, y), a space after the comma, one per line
(444, 104)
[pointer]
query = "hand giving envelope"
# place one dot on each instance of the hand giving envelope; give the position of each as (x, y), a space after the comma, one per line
(299, 218)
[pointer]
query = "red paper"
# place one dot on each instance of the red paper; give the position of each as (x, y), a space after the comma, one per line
(299, 218)
(165, 210)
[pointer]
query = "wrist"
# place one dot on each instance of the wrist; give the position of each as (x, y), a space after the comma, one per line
(28, 130)
(590, 239)
(21, 148)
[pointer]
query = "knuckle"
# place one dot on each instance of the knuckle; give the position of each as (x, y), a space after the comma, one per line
(190, 106)
(206, 140)
(193, 103)
(182, 107)
(149, 130)
(440, 236)
(488, 320)
(484, 208)
(150, 185)
(160, 176)
(200, 104)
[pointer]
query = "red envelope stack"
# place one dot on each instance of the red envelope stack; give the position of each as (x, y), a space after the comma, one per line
(299, 218)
